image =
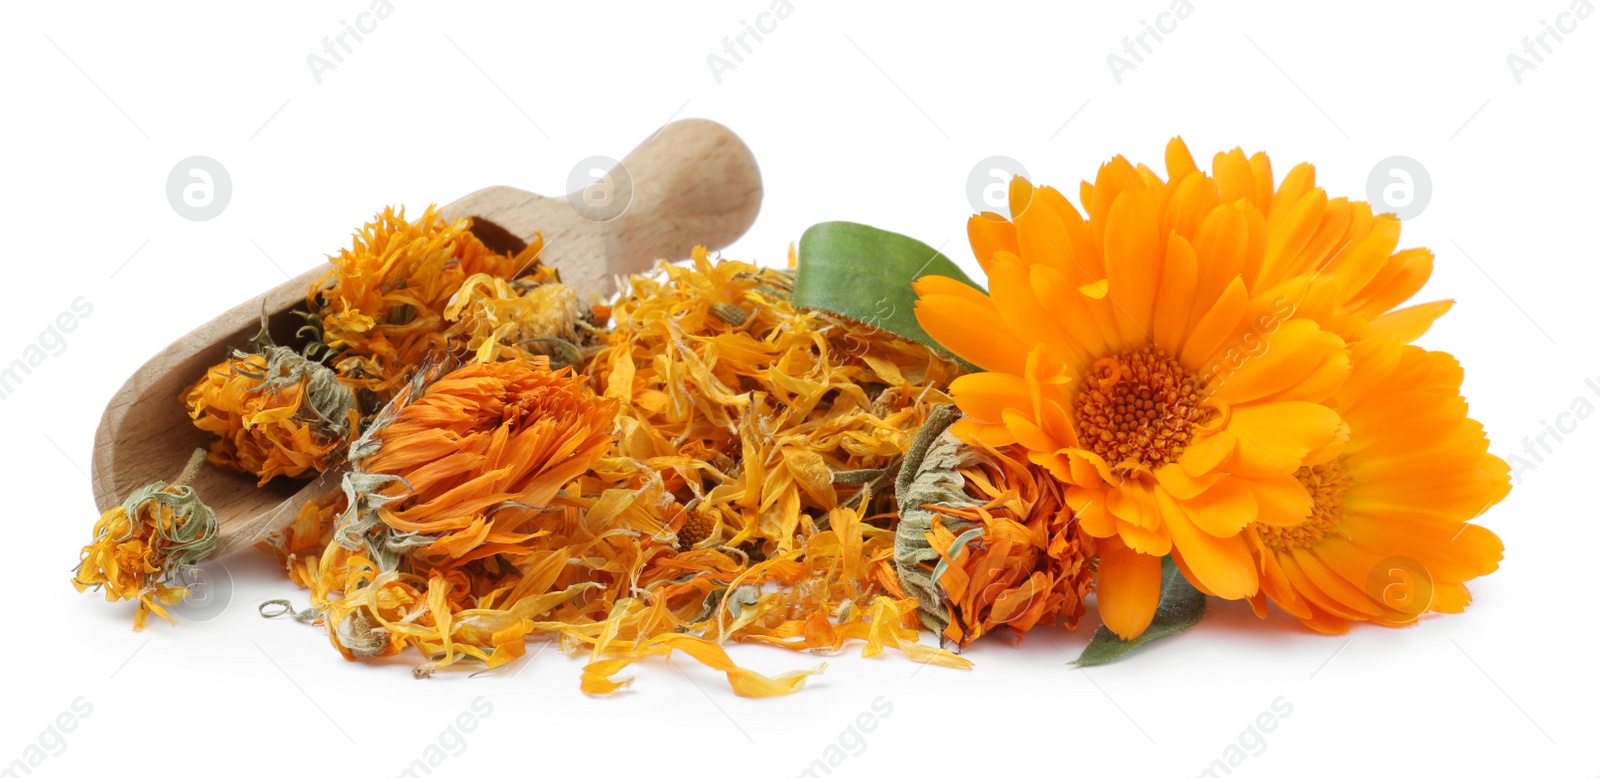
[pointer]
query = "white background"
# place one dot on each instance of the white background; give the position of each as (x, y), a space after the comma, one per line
(870, 113)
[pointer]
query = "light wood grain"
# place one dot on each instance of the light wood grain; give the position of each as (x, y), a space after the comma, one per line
(693, 182)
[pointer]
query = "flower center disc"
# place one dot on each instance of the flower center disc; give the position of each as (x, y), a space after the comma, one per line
(1139, 405)
(1327, 484)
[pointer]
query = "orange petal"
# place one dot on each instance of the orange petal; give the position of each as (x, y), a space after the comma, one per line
(1128, 589)
(1175, 296)
(1274, 438)
(1179, 161)
(1408, 324)
(1224, 509)
(974, 431)
(1300, 361)
(930, 285)
(989, 233)
(972, 331)
(1222, 565)
(1134, 504)
(1020, 308)
(1133, 254)
(1219, 321)
(986, 396)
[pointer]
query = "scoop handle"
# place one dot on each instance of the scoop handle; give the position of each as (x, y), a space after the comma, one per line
(693, 182)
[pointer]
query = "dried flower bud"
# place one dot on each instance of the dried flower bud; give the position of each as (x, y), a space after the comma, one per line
(141, 544)
(986, 540)
(272, 413)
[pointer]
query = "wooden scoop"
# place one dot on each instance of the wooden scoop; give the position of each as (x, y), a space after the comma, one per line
(692, 183)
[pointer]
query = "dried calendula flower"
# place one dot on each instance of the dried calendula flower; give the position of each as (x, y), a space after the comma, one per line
(986, 541)
(435, 542)
(492, 318)
(696, 528)
(467, 466)
(272, 413)
(140, 544)
(384, 310)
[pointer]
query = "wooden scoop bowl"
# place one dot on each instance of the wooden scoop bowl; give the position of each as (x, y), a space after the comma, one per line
(694, 182)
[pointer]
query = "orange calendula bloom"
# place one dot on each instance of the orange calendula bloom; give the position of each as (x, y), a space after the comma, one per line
(384, 310)
(273, 413)
(1127, 353)
(1388, 536)
(1333, 257)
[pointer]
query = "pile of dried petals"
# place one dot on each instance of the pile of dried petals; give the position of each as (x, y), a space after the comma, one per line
(1206, 370)
(505, 499)
(713, 467)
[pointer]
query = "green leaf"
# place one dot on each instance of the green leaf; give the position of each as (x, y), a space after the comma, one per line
(1181, 607)
(865, 273)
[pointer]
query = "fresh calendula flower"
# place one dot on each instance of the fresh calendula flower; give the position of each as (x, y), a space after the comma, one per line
(380, 310)
(139, 545)
(272, 413)
(1333, 258)
(987, 542)
(1388, 534)
(1112, 348)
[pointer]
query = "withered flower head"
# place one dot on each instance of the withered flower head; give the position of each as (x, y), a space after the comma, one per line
(272, 413)
(464, 468)
(384, 310)
(140, 544)
(495, 319)
(986, 541)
